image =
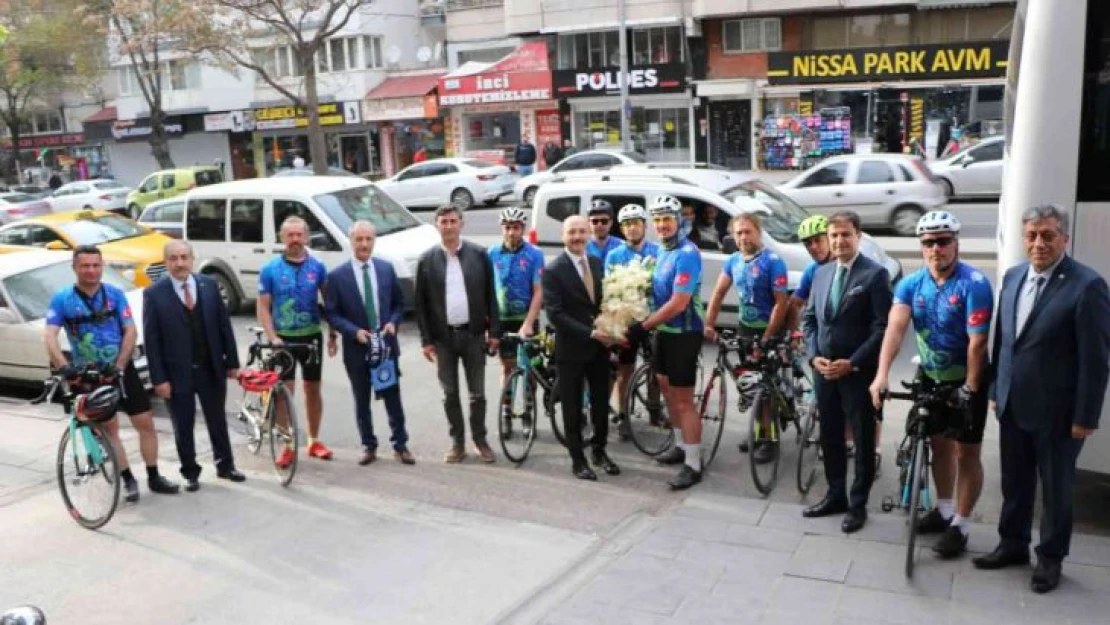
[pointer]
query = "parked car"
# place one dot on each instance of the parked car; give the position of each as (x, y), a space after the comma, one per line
(28, 280)
(441, 181)
(16, 206)
(97, 194)
(165, 216)
(525, 188)
(132, 250)
(887, 190)
(162, 185)
(730, 193)
(35, 191)
(974, 171)
(308, 171)
(234, 226)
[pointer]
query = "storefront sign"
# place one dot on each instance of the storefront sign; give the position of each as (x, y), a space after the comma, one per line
(48, 141)
(965, 60)
(331, 114)
(232, 121)
(522, 75)
(570, 83)
(390, 109)
(139, 129)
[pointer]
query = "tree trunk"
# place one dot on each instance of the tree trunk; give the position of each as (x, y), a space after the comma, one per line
(12, 169)
(159, 143)
(317, 143)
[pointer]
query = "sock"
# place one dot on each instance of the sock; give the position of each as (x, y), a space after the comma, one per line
(152, 472)
(311, 441)
(678, 442)
(962, 522)
(693, 456)
(127, 476)
(946, 507)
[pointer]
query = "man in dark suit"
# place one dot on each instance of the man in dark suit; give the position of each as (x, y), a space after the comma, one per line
(456, 310)
(572, 300)
(364, 298)
(1050, 358)
(191, 353)
(844, 323)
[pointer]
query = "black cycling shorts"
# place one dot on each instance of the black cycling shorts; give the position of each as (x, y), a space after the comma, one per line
(507, 349)
(136, 400)
(310, 371)
(951, 421)
(676, 357)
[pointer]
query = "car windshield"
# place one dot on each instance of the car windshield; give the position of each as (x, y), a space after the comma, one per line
(108, 184)
(14, 198)
(32, 290)
(478, 164)
(635, 157)
(100, 229)
(367, 203)
(782, 223)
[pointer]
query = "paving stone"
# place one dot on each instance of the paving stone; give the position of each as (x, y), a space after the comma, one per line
(803, 598)
(890, 576)
(659, 543)
(702, 610)
(960, 613)
(724, 508)
(764, 537)
(723, 554)
(993, 589)
(787, 516)
(700, 529)
(822, 557)
(693, 574)
(876, 605)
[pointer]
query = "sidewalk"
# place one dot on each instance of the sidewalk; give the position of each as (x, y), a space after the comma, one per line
(724, 559)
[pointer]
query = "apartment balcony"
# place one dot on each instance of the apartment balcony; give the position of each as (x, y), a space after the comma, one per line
(725, 8)
(550, 16)
(432, 13)
(471, 20)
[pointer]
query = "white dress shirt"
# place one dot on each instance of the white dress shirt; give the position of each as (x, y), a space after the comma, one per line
(458, 304)
(357, 265)
(178, 288)
(1030, 291)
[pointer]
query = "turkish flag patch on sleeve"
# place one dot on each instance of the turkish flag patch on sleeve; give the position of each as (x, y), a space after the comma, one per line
(682, 280)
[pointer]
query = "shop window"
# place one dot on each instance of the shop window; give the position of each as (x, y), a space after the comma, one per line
(246, 221)
(828, 175)
(492, 131)
(589, 50)
(372, 52)
(874, 172)
(751, 35)
(657, 45)
(829, 32)
(207, 220)
(319, 237)
(559, 208)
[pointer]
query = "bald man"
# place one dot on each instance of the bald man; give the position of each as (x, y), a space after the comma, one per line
(191, 352)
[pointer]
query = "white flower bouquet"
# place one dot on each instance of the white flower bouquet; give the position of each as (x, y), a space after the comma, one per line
(624, 298)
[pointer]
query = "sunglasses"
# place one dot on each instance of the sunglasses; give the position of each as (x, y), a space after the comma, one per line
(939, 242)
(599, 221)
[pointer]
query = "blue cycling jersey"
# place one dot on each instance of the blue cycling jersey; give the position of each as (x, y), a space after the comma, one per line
(806, 282)
(601, 253)
(678, 270)
(756, 280)
(625, 255)
(94, 325)
(944, 317)
(516, 274)
(295, 289)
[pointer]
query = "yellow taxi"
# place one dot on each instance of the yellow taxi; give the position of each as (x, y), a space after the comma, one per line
(129, 248)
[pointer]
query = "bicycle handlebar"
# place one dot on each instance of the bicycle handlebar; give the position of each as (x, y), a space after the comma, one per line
(90, 374)
(311, 348)
(918, 395)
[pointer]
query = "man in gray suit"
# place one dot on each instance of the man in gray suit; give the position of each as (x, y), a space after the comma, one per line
(844, 323)
(1051, 357)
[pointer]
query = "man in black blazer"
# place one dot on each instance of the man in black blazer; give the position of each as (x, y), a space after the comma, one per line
(456, 310)
(844, 323)
(1050, 357)
(191, 353)
(572, 300)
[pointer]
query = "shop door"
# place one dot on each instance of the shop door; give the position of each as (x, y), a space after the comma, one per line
(730, 134)
(354, 154)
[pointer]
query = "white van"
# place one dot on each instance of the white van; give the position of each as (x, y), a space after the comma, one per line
(233, 227)
(730, 192)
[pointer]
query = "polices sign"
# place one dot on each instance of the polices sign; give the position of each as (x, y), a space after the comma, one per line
(968, 60)
(493, 88)
(648, 79)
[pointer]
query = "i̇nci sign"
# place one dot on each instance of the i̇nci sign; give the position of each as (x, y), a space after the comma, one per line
(964, 60)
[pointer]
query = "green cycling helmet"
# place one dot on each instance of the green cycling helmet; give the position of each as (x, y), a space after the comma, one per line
(812, 226)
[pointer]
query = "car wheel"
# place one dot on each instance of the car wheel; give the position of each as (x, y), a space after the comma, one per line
(134, 211)
(227, 290)
(462, 199)
(904, 220)
(530, 195)
(949, 190)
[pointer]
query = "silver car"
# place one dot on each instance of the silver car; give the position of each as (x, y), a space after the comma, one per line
(165, 216)
(16, 206)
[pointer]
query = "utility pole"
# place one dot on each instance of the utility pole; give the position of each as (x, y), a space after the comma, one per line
(626, 106)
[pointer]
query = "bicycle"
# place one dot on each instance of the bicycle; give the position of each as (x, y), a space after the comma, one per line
(258, 413)
(913, 459)
(532, 371)
(649, 427)
(86, 456)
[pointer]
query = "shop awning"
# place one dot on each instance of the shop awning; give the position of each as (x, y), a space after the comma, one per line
(106, 114)
(949, 4)
(523, 74)
(404, 87)
(739, 87)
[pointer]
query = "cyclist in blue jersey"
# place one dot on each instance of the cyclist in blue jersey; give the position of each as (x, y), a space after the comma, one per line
(518, 279)
(679, 322)
(601, 223)
(290, 288)
(101, 331)
(950, 304)
(761, 282)
(632, 221)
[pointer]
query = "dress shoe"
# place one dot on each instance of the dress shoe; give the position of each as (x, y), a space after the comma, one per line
(1001, 558)
(932, 523)
(192, 485)
(826, 507)
(584, 472)
(1046, 576)
(485, 454)
(455, 455)
(602, 459)
(132, 491)
(162, 486)
(952, 543)
(674, 455)
(686, 478)
(404, 456)
(232, 475)
(854, 520)
(368, 457)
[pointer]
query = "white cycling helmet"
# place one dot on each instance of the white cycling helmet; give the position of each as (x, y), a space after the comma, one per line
(665, 205)
(513, 215)
(938, 221)
(630, 212)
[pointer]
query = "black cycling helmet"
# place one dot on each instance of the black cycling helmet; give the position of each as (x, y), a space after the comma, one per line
(99, 405)
(600, 206)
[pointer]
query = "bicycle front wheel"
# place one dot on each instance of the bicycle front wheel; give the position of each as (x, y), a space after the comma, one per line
(714, 403)
(284, 439)
(647, 416)
(517, 423)
(809, 448)
(765, 465)
(88, 475)
(919, 468)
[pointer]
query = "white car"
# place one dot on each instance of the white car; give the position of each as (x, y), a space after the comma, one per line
(886, 190)
(525, 190)
(28, 280)
(99, 194)
(15, 206)
(973, 171)
(461, 182)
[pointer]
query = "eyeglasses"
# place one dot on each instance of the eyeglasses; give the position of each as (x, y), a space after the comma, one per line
(599, 221)
(939, 242)
(1048, 236)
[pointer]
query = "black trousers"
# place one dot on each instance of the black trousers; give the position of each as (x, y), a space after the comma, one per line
(847, 400)
(1025, 455)
(573, 381)
(469, 350)
(212, 392)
